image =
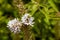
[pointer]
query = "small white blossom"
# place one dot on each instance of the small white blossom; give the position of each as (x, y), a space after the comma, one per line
(14, 25)
(27, 20)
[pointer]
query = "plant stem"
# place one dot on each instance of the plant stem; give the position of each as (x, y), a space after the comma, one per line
(16, 37)
(28, 35)
(18, 4)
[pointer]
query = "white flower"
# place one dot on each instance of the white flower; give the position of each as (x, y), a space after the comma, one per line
(27, 20)
(14, 25)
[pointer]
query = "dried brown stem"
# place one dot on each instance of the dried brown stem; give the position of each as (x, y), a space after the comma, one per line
(28, 35)
(18, 4)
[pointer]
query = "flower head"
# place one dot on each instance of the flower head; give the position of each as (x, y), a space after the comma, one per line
(14, 25)
(27, 20)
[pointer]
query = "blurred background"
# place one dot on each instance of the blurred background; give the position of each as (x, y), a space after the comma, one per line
(45, 12)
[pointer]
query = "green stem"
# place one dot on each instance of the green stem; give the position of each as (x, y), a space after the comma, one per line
(53, 5)
(57, 29)
(16, 37)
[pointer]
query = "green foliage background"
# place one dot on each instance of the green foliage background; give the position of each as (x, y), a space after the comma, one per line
(45, 12)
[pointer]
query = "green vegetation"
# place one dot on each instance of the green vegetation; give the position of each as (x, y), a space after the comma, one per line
(46, 15)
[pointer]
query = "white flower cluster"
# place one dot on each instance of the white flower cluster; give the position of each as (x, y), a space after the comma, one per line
(27, 20)
(14, 25)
